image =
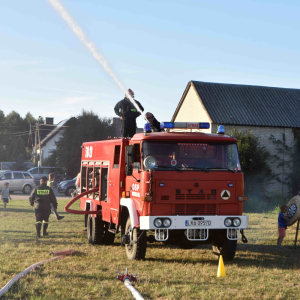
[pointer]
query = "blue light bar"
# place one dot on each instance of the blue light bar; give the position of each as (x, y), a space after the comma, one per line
(221, 129)
(204, 125)
(166, 125)
(147, 127)
(188, 125)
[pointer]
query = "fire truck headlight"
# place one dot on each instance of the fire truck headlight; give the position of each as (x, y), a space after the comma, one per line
(167, 222)
(228, 222)
(157, 222)
(150, 162)
(236, 222)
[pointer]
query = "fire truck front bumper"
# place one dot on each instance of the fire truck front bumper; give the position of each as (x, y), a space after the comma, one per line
(197, 227)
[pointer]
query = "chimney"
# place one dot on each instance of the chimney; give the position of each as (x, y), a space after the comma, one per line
(49, 121)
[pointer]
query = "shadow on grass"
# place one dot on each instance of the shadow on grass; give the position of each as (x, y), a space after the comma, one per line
(85, 277)
(191, 261)
(44, 241)
(19, 210)
(268, 249)
(250, 255)
(51, 242)
(18, 231)
(174, 246)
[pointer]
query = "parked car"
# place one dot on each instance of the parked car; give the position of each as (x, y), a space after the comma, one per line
(67, 187)
(18, 181)
(39, 172)
(3, 171)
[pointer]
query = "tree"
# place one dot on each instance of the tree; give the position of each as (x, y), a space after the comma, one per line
(29, 119)
(2, 117)
(84, 128)
(14, 136)
(14, 119)
(254, 163)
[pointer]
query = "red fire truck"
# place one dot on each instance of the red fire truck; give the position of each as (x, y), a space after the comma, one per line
(183, 188)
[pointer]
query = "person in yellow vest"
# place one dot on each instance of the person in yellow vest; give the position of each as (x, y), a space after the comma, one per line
(51, 180)
(42, 197)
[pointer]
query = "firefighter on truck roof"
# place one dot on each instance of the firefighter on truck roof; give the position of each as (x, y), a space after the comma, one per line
(128, 114)
(42, 197)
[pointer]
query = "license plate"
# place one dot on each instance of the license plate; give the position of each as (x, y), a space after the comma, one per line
(197, 223)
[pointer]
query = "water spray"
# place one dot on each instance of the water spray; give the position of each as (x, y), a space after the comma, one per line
(92, 48)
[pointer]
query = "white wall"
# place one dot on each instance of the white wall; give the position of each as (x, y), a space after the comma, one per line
(192, 110)
(50, 146)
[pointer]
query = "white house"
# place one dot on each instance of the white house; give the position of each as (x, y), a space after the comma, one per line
(48, 141)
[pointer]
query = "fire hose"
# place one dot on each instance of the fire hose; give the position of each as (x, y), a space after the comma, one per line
(127, 279)
(81, 212)
(31, 268)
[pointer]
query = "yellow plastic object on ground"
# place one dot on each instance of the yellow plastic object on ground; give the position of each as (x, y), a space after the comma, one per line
(221, 268)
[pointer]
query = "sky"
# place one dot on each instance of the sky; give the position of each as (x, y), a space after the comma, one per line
(154, 47)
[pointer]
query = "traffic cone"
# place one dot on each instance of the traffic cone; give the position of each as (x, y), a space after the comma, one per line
(221, 268)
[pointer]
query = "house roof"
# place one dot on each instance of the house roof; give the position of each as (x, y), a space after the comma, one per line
(58, 128)
(237, 104)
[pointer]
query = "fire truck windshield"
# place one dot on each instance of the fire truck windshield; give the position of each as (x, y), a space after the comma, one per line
(193, 156)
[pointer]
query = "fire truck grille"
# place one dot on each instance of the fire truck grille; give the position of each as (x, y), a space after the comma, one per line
(195, 209)
(164, 198)
(195, 197)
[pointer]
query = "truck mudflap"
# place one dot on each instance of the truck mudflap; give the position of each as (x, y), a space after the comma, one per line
(197, 227)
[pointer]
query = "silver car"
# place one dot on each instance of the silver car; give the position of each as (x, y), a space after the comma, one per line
(39, 172)
(18, 181)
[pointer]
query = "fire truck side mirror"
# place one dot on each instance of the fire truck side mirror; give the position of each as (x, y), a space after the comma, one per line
(129, 158)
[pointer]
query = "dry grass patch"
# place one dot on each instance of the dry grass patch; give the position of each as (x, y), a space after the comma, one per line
(259, 271)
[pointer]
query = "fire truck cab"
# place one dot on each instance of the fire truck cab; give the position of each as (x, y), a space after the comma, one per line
(182, 188)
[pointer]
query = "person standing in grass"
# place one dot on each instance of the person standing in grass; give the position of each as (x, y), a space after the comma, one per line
(42, 197)
(50, 181)
(281, 225)
(5, 194)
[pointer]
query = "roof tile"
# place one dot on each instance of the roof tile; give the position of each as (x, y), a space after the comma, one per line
(236, 104)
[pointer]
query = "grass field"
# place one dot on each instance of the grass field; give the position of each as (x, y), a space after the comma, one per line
(259, 271)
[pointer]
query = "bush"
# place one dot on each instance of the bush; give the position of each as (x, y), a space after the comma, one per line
(253, 158)
(256, 204)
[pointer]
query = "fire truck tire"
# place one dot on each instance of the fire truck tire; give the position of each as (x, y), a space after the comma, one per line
(109, 237)
(135, 250)
(95, 230)
(227, 250)
(293, 211)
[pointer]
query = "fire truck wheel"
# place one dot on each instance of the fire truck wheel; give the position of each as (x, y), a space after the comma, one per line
(136, 249)
(293, 210)
(227, 250)
(95, 230)
(109, 237)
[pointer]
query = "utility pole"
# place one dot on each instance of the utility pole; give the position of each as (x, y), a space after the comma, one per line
(35, 144)
(40, 144)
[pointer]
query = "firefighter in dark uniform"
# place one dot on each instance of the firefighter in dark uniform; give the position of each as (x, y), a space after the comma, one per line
(42, 197)
(154, 124)
(128, 114)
